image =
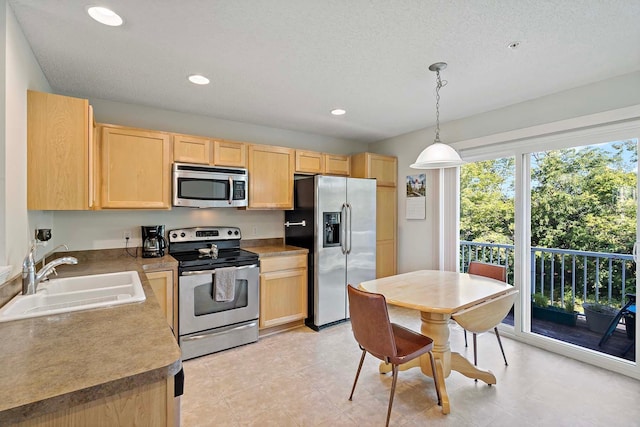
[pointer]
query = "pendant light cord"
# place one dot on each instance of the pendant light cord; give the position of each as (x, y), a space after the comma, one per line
(439, 84)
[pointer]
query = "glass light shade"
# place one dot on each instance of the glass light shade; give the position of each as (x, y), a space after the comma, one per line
(438, 156)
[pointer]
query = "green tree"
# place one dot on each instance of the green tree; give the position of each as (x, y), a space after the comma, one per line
(486, 203)
(584, 199)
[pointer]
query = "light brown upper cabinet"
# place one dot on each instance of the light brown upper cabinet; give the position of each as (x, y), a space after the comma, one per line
(369, 165)
(315, 163)
(271, 177)
(216, 152)
(385, 170)
(335, 164)
(310, 162)
(60, 152)
(229, 153)
(135, 168)
(191, 149)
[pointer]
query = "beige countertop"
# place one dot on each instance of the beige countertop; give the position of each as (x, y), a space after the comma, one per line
(276, 250)
(55, 361)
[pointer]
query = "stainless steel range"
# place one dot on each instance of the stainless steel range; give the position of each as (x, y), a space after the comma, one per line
(218, 297)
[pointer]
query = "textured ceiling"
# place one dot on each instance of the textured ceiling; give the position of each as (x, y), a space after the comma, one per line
(287, 63)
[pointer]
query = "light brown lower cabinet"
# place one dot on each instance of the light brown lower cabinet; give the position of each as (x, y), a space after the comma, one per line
(162, 284)
(283, 290)
(147, 405)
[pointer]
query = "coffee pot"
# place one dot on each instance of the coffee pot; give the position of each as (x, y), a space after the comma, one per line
(153, 242)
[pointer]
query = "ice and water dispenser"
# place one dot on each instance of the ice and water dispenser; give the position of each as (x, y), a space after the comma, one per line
(331, 229)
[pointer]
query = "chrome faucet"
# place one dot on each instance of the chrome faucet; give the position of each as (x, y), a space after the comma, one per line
(31, 279)
(44, 258)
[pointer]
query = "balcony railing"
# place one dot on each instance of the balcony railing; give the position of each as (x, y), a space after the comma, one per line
(562, 274)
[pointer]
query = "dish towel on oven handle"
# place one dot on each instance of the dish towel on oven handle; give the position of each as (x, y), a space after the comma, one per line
(224, 283)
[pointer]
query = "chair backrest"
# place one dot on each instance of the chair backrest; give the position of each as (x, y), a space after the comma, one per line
(493, 271)
(486, 315)
(370, 323)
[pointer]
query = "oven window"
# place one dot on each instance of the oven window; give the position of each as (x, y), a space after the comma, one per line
(203, 189)
(204, 302)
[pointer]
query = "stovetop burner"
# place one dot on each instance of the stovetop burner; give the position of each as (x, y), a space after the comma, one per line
(186, 246)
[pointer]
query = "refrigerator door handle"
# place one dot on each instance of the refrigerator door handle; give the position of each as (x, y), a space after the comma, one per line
(350, 235)
(343, 228)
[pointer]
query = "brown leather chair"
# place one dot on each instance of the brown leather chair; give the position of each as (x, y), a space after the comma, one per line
(493, 271)
(387, 341)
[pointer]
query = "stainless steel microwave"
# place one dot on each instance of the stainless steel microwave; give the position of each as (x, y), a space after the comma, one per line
(201, 186)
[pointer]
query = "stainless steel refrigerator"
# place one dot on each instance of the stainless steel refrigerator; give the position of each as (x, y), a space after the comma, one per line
(335, 218)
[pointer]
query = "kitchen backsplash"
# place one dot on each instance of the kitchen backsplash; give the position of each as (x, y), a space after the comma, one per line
(81, 230)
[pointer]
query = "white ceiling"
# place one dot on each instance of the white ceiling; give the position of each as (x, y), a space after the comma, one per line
(287, 63)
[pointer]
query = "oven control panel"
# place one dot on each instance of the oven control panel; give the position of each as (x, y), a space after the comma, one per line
(195, 234)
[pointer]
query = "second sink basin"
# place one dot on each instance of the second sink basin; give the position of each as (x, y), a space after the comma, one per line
(87, 283)
(76, 293)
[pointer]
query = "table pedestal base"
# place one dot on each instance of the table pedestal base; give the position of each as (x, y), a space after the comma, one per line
(436, 326)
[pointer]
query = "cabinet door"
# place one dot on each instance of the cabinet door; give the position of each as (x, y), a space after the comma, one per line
(271, 177)
(309, 162)
(191, 149)
(283, 297)
(135, 168)
(162, 284)
(59, 173)
(229, 153)
(386, 226)
(370, 165)
(337, 165)
(383, 169)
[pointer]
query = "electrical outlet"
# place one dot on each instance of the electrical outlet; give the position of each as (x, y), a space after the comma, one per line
(126, 235)
(254, 230)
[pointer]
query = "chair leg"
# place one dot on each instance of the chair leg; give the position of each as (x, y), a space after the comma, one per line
(394, 370)
(500, 343)
(435, 377)
(629, 347)
(475, 350)
(364, 353)
(465, 337)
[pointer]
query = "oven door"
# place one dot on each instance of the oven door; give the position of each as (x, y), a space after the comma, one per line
(199, 310)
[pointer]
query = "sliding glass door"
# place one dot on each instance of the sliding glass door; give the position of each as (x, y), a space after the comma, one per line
(583, 225)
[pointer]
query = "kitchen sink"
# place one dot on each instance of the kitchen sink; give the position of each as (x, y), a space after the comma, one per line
(87, 283)
(76, 293)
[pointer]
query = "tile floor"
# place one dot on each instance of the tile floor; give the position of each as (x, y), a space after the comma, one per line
(303, 378)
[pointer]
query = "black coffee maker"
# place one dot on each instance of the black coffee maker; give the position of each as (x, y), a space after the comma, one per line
(153, 242)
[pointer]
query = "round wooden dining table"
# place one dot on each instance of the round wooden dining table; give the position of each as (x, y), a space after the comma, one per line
(439, 296)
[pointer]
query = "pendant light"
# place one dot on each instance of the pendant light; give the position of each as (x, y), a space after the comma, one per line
(438, 155)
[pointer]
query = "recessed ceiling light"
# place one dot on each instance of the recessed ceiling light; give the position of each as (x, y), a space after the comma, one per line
(338, 112)
(105, 16)
(514, 45)
(198, 79)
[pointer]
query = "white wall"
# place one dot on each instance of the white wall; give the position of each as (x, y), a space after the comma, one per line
(418, 239)
(104, 229)
(172, 121)
(21, 72)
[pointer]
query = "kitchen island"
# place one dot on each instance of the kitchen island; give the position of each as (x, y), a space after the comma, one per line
(109, 366)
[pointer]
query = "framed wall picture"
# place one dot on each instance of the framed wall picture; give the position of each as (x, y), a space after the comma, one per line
(416, 196)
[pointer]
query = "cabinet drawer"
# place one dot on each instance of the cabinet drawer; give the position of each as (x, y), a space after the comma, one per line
(277, 263)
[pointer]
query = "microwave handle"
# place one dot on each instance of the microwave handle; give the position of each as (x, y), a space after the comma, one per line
(230, 190)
